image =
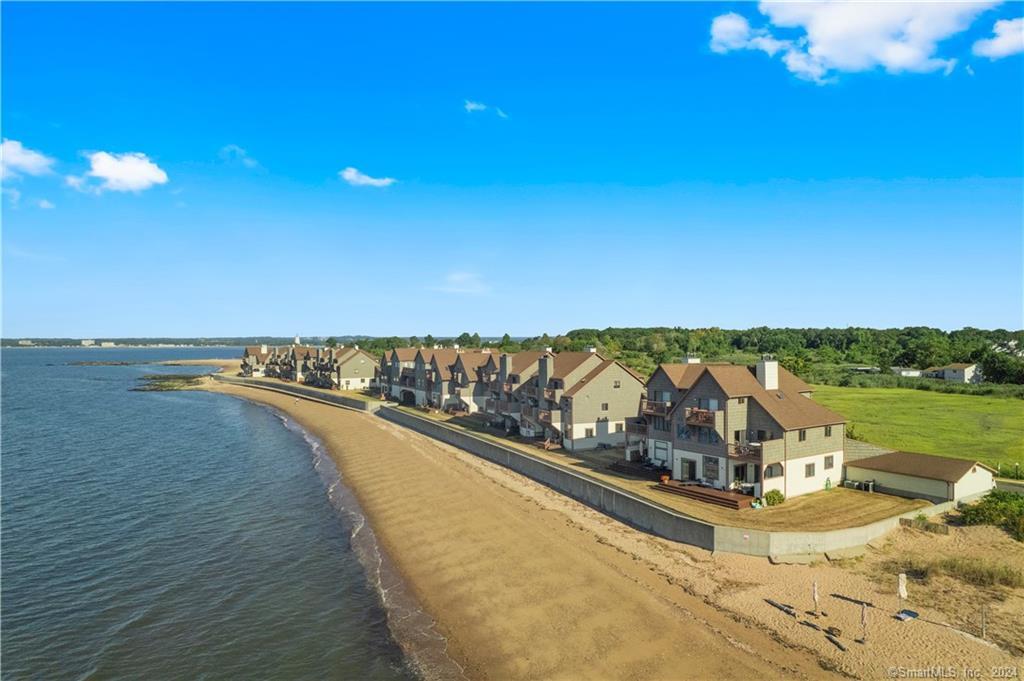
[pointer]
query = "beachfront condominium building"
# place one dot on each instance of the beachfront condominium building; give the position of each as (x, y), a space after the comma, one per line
(397, 373)
(254, 360)
(435, 373)
(579, 400)
(738, 427)
(470, 379)
(353, 369)
(505, 375)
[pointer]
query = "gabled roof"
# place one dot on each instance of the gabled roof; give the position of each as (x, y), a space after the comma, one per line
(521, 361)
(787, 406)
(403, 354)
(472, 360)
(683, 376)
(919, 465)
(597, 371)
(567, 362)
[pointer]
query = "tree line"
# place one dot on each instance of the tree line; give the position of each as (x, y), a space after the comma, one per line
(998, 352)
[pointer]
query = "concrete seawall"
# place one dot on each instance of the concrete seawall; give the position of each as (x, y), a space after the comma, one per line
(619, 504)
(302, 391)
(650, 516)
(644, 514)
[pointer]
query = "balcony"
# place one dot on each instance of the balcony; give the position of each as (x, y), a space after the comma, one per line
(655, 408)
(529, 412)
(764, 452)
(407, 382)
(491, 405)
(549, 416)
(531, 390)
(553, 394)
(508, 407)
(636, 427)
(700, 417)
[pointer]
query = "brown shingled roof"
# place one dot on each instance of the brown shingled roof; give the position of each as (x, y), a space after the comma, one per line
(520, 361)
(567, 362)
(787, 406)
(683, 376)
(918, 465)
(594, 373)
(403, 354)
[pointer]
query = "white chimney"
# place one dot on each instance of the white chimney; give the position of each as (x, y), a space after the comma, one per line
(768, 373)
(298, 341)
(691, 359)
(263, 349)
(455, 346)
(354, 345)
(591, 349)
(547, 348)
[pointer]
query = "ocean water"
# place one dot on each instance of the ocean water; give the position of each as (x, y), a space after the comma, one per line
(172, 534)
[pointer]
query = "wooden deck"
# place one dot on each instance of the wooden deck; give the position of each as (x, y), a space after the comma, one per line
(709, 495)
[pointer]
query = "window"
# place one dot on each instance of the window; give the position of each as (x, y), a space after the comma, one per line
(617, 384)
(736, 436)
(809, 470)
(741, 400)
(803, 435)
(660, 423)
(773, 471)
(711, 467)
(761, 436)
(702, 435)
(589, 432)
(828, 433)
(604, 406)
(682, 431)
(618, 427)
(829, 463)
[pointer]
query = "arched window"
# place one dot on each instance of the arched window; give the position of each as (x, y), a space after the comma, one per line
(773, 471)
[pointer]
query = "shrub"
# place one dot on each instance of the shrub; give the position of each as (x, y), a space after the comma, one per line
(1000, 508)
(773, 497)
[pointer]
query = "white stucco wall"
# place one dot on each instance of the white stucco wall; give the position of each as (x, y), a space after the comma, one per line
(796, 482)
(978, 481)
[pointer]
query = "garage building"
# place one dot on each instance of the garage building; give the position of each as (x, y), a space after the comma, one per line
(923, 476)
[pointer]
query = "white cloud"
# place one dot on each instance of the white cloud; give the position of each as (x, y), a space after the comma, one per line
(834, 37)
(45, 205)
(15, 159)
(13, 195)
(1008, 39)
(129, 172)
(358, 179)
(473, 107)
(232, 153)
(463, 283)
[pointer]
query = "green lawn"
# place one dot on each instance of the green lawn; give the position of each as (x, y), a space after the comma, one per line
(989, 429)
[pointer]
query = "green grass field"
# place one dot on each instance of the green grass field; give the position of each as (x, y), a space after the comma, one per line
(989, 429)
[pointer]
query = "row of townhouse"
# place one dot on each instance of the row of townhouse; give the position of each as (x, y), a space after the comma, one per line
(738, 427)
(343, 368)
(579, 400)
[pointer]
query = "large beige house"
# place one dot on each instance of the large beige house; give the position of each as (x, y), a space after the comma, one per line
(738, 427)
(579, 400)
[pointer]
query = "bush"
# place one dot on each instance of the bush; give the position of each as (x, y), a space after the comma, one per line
(968, 570)
(773, 497)
(1000, 508)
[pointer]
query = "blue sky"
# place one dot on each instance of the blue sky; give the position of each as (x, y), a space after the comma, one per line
(180, 168)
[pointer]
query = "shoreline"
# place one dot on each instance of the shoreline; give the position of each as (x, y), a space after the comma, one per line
(706, 595)
(411, 627)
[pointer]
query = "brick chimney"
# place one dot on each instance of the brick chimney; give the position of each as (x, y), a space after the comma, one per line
(503, 368)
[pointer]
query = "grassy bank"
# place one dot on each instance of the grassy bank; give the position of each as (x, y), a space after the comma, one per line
(989, 429)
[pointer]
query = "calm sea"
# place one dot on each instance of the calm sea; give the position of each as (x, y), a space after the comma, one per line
(171, 535)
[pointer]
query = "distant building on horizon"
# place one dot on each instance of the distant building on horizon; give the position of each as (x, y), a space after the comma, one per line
(25, 342)
(88, 343)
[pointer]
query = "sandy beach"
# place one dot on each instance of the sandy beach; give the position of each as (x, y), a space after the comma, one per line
(526, 583)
